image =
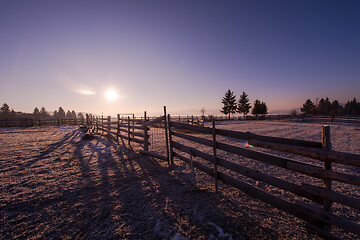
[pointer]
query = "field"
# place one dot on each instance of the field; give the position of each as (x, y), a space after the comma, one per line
(56, 185)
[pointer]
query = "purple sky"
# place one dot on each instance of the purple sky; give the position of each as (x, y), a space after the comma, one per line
(183, 54)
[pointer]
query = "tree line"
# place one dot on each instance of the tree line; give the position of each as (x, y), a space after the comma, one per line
(43, 113)
(325, 107)
(231, 105)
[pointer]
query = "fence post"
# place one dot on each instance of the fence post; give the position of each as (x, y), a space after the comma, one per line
(129, 130)
(108, 123)
(133, 125)
(166, 136)
(170, 141)
(214, 156)
(118, 128)
(326, 146)
(146, 143)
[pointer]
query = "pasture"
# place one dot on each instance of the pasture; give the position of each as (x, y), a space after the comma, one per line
(54, 184)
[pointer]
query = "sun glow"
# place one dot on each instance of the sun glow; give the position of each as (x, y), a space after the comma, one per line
(111, 95)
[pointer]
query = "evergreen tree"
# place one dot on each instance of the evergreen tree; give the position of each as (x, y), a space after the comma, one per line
(43, 113)
(308, 107)
(256, 110)
(336, 108)
(55, 114)
(243, 105)
(80, 116)
(73, 114)
(5, 109)
(61, 113)
(327, 106)
(68, 114)
(259, 108)
(321, 107)
(263, 108)
(229, 102)
(36, 113)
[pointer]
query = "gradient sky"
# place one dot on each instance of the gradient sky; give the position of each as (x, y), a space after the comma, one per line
(182, 54)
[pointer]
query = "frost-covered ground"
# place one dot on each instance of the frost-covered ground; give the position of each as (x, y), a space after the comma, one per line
(55, 185)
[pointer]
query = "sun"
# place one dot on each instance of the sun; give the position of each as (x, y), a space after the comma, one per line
(111, 95)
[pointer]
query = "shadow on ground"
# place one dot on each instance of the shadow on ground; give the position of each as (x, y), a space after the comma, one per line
(102, 190)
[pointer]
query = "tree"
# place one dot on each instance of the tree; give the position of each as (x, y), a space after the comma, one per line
(336, 108)
(321, 107)
(308, 107)
(36, 113)
(259, 108)
(55, 114)
(263, 108)
(5, 108)
(68, 114)
(229, 102)
(243, 104)
(203, 110)
(327, 106)
(73, 114)
(80, 116)
(61, 113)
(43, 113)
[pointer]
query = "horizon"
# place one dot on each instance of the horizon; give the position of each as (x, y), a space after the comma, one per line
(111, 57)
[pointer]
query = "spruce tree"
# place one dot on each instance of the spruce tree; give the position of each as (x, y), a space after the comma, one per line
(243, 104)
(36, 113)
(256, 110)
(308, 107)
(229, 101)
(61, 113)
(43, 113)
(5, 109)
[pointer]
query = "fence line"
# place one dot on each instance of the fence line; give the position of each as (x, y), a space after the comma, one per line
(318, 219)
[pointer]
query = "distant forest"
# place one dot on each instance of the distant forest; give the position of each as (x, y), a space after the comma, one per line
(41, 113)
(325, 107)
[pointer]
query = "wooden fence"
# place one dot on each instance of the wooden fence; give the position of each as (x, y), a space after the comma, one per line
(30, 122)
(313, 197)
(318, 214)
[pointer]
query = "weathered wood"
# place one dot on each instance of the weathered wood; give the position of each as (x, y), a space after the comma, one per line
(321, 232)
(118, 128)
(251, 173)
(128, 132)
(140, 141)
(194, 128)
(246, 135)
(329, 218)
(166, 137)
(331, 195)
(324, 174)
(146, 138)
(215, 160)
(333, 156)
(193, 138)
(156, 120)
(133, 127)
(170, 142)
(326, 146)
(153, 154)
(249, 135)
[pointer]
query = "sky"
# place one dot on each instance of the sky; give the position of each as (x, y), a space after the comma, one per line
(109, 57)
